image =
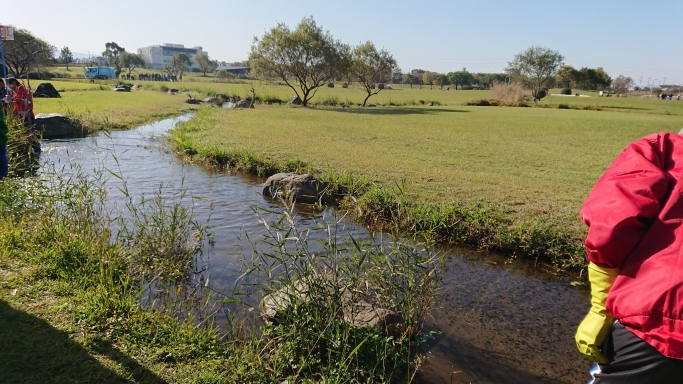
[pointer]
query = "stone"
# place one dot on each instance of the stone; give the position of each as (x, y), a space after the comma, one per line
(300, 188)
(46, 90)
(243, 104)
(172, 91)
(192, 100)
(330, 85)
(429, 104)
(294, 100)
(356, 310)
(421, 102)
(120, 88)
(371, 105)
(55, 125)
(211, 100)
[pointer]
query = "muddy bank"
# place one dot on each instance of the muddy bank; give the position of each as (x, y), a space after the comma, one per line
(503, 323)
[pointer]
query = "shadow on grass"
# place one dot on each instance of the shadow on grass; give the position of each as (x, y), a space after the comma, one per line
(32, 351)
(394, 110)
(635, 108)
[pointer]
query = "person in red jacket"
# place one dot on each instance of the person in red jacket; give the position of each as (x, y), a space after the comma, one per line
(21, 101)
(634, 329)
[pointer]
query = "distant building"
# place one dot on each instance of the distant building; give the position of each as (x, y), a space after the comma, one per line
(159, 56)
(237, 69)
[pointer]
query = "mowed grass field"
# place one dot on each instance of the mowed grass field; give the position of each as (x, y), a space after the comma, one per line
(536, 162)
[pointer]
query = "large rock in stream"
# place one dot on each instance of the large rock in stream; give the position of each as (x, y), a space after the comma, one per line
(300, 188)
(356, 310)
(56, 126)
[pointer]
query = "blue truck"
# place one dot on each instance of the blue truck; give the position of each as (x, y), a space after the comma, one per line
(101, 73)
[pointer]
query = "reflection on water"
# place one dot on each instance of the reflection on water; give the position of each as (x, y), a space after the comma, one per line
(497, 324)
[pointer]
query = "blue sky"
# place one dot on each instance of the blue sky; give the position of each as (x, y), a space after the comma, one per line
(633, 38)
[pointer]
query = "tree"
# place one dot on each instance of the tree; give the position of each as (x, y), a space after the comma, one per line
(535, 67)
(305, 58)
(66, 57)
(566, 75)
(130, 61)
(369, 67)
(461, 78)
(621, 84)
(431, 78)
(179, 64)
(112, 52)
(202, 61)
(21, 53)
(411, 79)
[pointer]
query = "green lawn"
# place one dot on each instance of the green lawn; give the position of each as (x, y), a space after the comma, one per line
(537, 162)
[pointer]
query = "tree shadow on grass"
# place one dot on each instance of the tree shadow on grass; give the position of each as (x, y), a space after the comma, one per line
(634, 108)
(33, 351)
(394, 110)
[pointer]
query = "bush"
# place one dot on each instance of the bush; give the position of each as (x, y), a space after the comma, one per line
(562, 106)
(566, 91)
(345, 85)
(380, 86)
(224, 75)
(330, 85)
(511, 94)
(163, 88)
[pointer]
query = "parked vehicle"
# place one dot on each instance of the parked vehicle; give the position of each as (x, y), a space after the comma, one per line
(102, 73)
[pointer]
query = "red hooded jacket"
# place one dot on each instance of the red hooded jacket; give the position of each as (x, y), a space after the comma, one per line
(635, 219)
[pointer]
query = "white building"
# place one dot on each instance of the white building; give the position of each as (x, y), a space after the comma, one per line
(159, 56)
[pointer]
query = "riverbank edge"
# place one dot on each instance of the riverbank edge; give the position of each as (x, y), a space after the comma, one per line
(92, 124)
(482, 226)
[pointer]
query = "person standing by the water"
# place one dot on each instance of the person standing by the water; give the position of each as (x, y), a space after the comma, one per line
(634, 329)
(21, 101)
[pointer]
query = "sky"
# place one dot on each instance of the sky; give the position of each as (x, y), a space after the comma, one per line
(639, 39)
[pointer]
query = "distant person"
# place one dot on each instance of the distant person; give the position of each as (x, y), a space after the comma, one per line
(634, 329)
(21, 101)
(4, 165)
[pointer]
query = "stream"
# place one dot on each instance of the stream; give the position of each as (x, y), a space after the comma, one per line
(496, 321)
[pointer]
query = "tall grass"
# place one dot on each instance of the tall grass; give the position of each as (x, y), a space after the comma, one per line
(342, 310)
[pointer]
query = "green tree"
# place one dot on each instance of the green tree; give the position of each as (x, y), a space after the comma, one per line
(179, 64)
(305, 58)
(431, 78)
(411, 79)
(369, 67)
(21, 53)
(113, 52)
(602, 79)
(130, 61)
(202, 61)
(66, 57)
(566, 74)
(461, 78)
(535, 68)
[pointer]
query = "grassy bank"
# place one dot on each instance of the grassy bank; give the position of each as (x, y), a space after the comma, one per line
(511, 179)
(75, 278)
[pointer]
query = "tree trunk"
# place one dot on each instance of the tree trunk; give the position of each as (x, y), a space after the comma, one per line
(366, 99)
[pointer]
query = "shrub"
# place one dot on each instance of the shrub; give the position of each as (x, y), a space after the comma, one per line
(345, 85)
(512, 94)
(163, 88)
(380, 86)
(330, 85)
(566, 91)
(563, 106)
(224, 75)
